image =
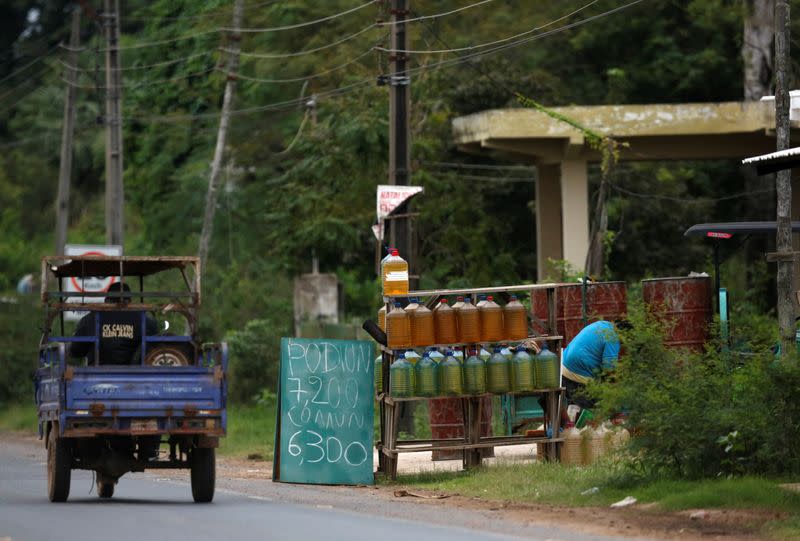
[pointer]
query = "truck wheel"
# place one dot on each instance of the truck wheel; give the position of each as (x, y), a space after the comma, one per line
(204, 473)
(59, 463)
(105, 489)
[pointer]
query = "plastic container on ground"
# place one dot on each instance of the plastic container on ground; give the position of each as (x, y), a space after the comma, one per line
(515, 320)
(491, 318)
(398, 328)
(469, 329)
(394, 274)
(571, 447)
(444, 320)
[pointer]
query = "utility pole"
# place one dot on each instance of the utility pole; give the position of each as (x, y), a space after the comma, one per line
(67, 132)
(222, 134)
(784, 178)
(399, 134)
(115, 194)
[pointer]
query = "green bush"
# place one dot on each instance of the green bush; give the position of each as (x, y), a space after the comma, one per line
(704, 414)
(19, 342)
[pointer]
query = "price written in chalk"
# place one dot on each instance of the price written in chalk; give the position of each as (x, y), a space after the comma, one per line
(326, 408)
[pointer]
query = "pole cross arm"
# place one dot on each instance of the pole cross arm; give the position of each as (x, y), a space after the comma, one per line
(773, 257)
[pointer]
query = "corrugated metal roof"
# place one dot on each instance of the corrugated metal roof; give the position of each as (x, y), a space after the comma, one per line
(775, 161)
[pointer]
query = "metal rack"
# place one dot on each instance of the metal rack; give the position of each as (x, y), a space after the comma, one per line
(389, 446)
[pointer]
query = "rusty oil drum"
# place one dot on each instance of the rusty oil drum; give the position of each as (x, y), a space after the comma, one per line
(447, 422)
(684, 306)
(604, 300)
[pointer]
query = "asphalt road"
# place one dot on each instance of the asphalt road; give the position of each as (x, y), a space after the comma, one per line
(149, 507)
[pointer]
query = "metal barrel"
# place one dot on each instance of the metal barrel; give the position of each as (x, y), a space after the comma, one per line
(684, 307)
(447, 422)
(604, 300)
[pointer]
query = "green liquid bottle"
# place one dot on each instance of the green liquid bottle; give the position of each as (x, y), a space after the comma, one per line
(401, 378)
(474, 374)
(452, 377)
(548, 369)
(426, 376)
(498, 373)
(522, 367)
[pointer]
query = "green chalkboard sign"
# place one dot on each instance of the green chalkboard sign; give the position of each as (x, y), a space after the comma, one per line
(325, 410)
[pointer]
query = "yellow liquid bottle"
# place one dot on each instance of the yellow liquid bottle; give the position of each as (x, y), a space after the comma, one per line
(444, 320)
(422, 328)
(491, 316)
(515, 320)
(398, 328)
(394, 274)
(469, 324)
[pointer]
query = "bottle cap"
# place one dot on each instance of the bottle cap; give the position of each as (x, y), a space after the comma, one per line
(489, 298)
(513, 297)
(401, 355)
(397, 304)
(444, 300)
(459, 298)
(395, 251)
(467, 299)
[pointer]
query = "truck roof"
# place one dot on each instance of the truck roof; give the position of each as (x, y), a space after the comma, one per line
(80, 266)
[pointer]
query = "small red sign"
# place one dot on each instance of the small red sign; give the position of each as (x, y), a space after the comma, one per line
(717, 235)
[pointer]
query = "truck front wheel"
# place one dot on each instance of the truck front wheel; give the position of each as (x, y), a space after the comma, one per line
(59, 464)
(204, 472)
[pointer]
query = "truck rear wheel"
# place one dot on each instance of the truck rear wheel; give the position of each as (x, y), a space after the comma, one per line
(59, 464)
(204, 473)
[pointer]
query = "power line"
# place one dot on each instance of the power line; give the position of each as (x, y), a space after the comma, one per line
(158, 42)
(288, 104)
(307, 51)
(491, 43)
(437, 15)
(695, 200)
(139, 84)
(29, 64)
(146, 66)
(300, 25)
(303, 78)
(222, 11)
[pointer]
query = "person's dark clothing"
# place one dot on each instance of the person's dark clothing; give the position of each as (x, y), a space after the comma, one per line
(120, 336)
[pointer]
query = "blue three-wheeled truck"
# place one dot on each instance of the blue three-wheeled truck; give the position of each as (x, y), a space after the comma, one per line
(160, 407)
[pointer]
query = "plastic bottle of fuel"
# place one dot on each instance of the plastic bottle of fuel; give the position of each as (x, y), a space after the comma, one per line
(451, 375)
(522, 367)
(491, 317)
(378, 374)
(497, 373)
(548, 369)
(444, 320)
(571, 447)
(474, 374)
(426, 376)
(401, 377)
(422, 329)
(469, 323)
(382, 318)
(515, 320)
(394, 274)
(398, 328)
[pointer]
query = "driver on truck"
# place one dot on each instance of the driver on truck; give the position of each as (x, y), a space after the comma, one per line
(120, 331)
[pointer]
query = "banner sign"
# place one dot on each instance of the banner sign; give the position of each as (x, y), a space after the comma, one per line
(391, 197)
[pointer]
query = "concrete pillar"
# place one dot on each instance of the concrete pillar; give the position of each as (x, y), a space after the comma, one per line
(548, 219)
(575, 212)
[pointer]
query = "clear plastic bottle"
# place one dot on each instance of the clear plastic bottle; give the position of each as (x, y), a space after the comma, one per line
(522, 367)
(398, 328)
(436, 355)
(474, 374)
(515, 320)
(444, 320)
(469, 323)
(378, 374)
(426, 376)
(491, 316)
(401, 377)
(456, 307)
(422, 329)
(548, 369)
(451, 375)
(382, 318)
(481, 301)
(394, 274)
(571, 447)
(498, 373)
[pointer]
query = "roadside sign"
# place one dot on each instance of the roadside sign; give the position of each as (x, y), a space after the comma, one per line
(87, 284)
(324, 431)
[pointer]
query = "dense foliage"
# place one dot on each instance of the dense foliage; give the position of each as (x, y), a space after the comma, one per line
(705, 414)
(279, 205)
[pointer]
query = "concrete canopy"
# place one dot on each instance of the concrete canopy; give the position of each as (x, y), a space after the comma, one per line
(688, 131)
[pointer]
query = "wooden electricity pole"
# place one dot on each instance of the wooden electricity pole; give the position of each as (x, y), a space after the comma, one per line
(399, 134)
(784, 178)
(115, 193)
(67, 132)
(222, 134)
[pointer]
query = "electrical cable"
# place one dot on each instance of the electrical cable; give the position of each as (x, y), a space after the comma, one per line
(296, 135)
(287, 104)
(223, 10)
(695, 200)
(29, 64)
(491, 43)
(434, 16)
(299, 79)
(298, 25)
(139, 84)
(304, 52)
(158, 42)
(487, 167)
(146, 66)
